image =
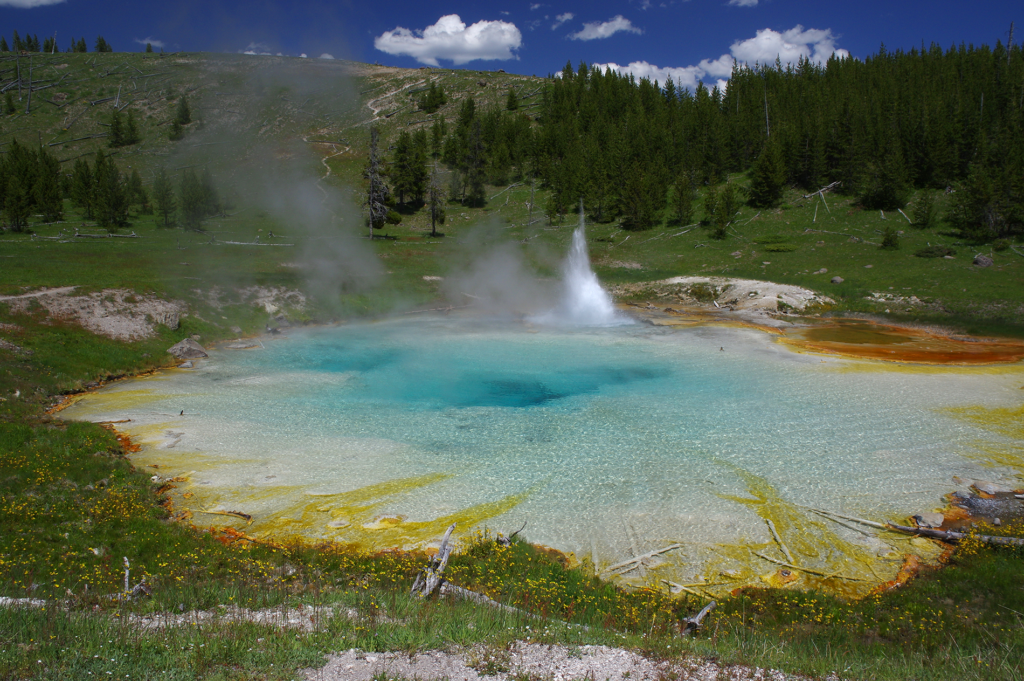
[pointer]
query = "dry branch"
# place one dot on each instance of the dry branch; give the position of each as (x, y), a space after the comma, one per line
(785, 550)
(638, 559)
(826, 575)
(691, 624)
(430, 580)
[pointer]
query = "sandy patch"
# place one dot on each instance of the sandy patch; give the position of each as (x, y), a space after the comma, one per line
(526, 660)
(120, 314)
(742, 295)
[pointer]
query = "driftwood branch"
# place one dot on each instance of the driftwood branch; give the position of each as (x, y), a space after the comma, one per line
(652, 554)
(778, 539)
(691, 624)
(818, 573)
(823, 189)
(944, 535)
(507, 541)
(430, 580)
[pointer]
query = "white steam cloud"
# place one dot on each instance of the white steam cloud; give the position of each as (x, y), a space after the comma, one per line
(604, 29)
(452, 40)
(788, 47)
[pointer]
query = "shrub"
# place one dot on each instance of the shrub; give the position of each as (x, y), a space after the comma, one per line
(934, 252)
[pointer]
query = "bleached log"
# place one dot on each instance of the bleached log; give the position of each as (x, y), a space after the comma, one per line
(691, 624)
(778, 539)
(823, 189)
(809, 571)
(631, 561)
(430, 580)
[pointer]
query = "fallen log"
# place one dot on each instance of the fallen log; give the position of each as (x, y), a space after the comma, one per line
(430, 579)
(638, 559)
(809, 571)
(691, 624)
(778, 539)
(945, 535)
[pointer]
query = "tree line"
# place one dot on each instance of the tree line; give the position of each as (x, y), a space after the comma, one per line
(924, 120)
(30, 43)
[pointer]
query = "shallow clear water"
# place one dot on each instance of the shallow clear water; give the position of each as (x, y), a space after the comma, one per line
(608, 442)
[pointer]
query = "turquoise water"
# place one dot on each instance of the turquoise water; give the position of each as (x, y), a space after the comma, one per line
(619, 440)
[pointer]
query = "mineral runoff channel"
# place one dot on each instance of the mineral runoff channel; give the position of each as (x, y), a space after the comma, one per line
(684, 453)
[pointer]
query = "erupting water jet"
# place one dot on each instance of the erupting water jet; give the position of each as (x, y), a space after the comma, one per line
(583, 301)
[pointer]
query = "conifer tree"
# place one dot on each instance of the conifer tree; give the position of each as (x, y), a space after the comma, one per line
(434, 99)
(135, 191)
(149, 48)
(3, 45)
(768, 178)
(683, 196)
(116, 136)
(163, 196)
(17, 203)
(110, 199)
(82, 187)
(183, 114)
(80, 46)
(435, 202)
(438, 131)
(476, 194)
(9, 105)
(512, 102)
(46, 191)
(210, 198)
(924, 210)
(16, 42)
(102, 45)
(191, 200)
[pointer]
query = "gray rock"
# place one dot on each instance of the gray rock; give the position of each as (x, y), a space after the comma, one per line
(242, 345)
(929, 519)
(169, 318)
(187, 349)
(186, 365)
(237, 330)
(991, 487)
(982, 261)
(837, 280)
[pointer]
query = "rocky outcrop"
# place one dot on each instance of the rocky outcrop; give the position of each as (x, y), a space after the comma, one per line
(187, 349)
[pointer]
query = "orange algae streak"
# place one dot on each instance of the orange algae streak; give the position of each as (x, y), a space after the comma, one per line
(865, 340)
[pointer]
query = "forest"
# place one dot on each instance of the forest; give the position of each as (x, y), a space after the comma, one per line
(878, 129)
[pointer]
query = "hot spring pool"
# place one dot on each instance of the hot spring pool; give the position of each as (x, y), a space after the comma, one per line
(608, 443)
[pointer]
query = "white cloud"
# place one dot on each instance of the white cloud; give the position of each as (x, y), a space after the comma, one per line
(257, 48)
(789, 46)
(28, 4)
(561, 19)
(451, 39)
(159, 44)
(326, 56)
(302, 56)
(604, 29)
(535, 5)
(684, 76)
(743, 3)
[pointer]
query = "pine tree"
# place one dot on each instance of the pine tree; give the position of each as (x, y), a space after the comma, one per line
(210, 197)
(768, 177)
(512, 102)
(434, 99)
(135, 191)
(149, 48)
(474, 164)
(82, 187)
(438, 131)
(17, 203)
(728, 204)
(50, 45)
(80, 46)
(47, 188)
(110, 199)
(9, 105)
(176, 132)
(102, 45)
(116, 136)
(163, 196)
(683, 196)
(3, 45)
(183, 115)
(401, 171)
(435, 201)
(16, 42)
(191, 200)
(924, 210)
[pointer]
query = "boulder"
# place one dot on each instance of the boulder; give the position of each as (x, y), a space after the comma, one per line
(991, 487)
(186, 365)
(837, 280)
(242, 345)
(982, 261)
(187, 349)
(169, 318)
(929, 519)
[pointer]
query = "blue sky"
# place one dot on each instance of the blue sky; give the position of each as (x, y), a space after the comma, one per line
(687, 40)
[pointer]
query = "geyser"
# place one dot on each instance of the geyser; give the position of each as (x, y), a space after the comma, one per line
(583, 302)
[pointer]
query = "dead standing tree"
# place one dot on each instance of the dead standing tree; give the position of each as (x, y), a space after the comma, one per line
(377, 193)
